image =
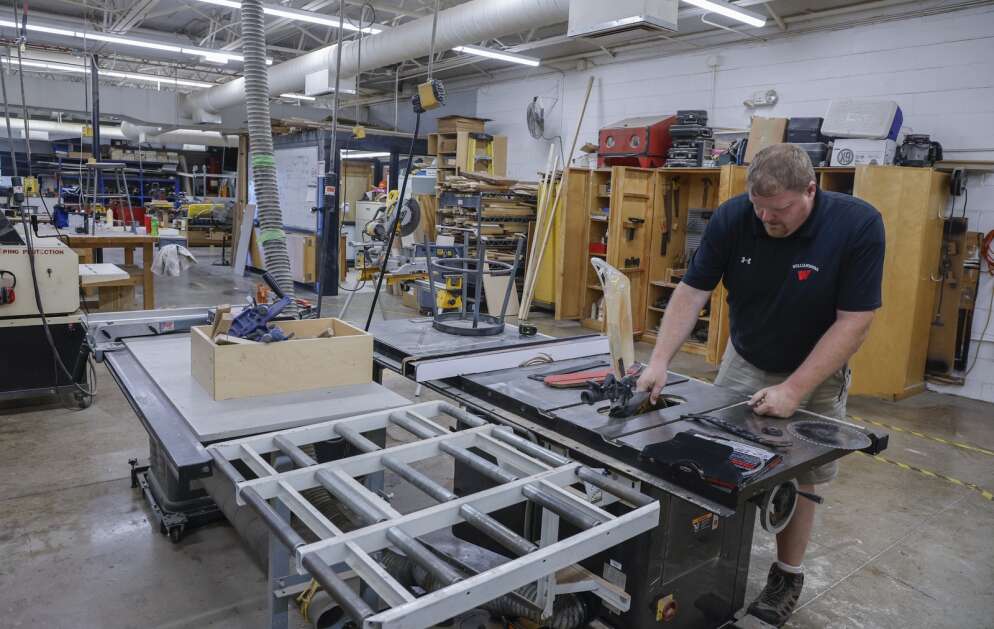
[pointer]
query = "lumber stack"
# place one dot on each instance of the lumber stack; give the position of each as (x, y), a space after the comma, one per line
(508, 207)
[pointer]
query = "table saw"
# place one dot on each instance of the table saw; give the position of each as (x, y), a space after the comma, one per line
(554, 502)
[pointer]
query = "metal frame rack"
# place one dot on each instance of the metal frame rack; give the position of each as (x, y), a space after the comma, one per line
(523, 471)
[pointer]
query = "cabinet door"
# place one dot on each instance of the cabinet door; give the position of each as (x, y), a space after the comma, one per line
(891, 362)
(571, 244)
(733, 183)
(632, 200)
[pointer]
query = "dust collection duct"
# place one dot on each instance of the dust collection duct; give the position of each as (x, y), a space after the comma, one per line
(468, 23)
(131, 131)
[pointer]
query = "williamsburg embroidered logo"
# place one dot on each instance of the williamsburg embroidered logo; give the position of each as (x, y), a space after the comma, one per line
(804, 271)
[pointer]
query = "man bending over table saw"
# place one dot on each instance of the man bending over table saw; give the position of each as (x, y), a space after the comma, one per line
(803, 269)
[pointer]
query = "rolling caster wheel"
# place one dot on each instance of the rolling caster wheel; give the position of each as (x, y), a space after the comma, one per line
(175, 534)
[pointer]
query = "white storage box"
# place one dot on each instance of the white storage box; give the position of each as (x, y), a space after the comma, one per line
(856, 118)
(855, 152)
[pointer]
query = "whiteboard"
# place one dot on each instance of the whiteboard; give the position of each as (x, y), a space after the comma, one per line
(297, 179)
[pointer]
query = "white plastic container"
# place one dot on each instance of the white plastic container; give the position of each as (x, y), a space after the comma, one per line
(857, 152)
(857, 118)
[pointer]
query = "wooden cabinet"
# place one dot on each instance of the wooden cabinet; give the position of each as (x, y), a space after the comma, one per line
(607, 213)
(891, 362)
(466, 151)
(686, 198)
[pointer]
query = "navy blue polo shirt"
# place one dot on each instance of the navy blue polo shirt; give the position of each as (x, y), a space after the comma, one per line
(783, 293)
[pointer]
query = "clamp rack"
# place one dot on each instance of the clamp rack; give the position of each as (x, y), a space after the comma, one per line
(523, 471)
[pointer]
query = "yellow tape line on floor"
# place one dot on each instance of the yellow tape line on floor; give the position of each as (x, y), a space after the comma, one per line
(922, 435)
(949, 479)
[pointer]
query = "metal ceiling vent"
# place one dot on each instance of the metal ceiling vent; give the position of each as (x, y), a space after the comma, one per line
(597, 18)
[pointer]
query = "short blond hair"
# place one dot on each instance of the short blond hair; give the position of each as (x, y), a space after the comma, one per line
(780, 168)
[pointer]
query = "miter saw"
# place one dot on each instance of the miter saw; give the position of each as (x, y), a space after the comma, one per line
(370, 253)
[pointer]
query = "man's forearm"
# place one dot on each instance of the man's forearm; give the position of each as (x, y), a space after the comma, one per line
(833, 350)
(678, 321)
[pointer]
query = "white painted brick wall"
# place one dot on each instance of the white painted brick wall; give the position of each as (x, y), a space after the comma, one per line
(938, 68)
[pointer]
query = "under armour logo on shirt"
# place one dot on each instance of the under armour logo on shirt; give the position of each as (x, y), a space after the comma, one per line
(746, 260)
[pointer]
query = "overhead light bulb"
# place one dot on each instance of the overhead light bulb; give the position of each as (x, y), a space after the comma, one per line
(297, 15)
(363, 154)
(52, 31)
(500, 55)
(729, 10)
(127, 41)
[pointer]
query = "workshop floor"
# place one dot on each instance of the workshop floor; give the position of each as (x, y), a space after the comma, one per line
(894, 547)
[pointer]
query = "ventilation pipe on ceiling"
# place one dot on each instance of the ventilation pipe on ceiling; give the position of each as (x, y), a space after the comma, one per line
(468, 23)
(155, 135)
(129, 131)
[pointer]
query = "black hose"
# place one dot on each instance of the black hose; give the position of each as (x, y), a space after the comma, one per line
(396, 222)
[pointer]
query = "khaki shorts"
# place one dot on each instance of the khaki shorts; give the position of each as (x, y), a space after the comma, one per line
(829, 399)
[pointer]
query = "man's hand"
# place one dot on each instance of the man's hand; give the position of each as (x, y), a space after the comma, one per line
(778, 401)
(653, 379)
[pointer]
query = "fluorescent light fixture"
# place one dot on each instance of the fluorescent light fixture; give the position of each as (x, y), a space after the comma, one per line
(127, 41)
(298, 15)
(490, 53)
(195, 147)
(52, 31)
(134, 76)
(153, 78)
(212, 58)
(297, 96)
(208, 54)
(729, 10)
(363, 154)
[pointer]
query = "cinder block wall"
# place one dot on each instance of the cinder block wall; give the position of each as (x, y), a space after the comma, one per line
(936, 67)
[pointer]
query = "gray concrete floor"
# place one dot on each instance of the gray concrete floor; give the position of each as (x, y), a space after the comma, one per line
(893, 548)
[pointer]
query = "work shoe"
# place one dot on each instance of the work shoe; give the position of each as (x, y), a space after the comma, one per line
(777, 600)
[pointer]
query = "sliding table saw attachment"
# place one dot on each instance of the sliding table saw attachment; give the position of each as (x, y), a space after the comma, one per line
(519, 471)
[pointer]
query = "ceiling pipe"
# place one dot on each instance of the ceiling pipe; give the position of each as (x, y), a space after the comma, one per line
(463, 24)
(129, 131)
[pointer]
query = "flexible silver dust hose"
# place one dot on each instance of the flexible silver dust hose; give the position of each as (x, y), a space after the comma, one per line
(260, 128)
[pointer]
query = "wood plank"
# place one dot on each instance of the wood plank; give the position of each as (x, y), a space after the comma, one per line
(95, 274)
(148, 286)
(494, 289)
(244, 240)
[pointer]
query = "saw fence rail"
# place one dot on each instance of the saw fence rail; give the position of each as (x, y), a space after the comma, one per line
(522, 470)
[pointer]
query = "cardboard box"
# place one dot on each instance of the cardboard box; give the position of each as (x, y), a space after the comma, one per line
(765, 132)
(855, 152)
(453, 124)
(304, 362)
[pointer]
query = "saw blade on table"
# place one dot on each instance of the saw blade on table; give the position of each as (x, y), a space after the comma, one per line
(829, 434)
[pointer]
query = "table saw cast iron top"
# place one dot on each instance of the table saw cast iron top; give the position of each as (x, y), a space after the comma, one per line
(692, 435)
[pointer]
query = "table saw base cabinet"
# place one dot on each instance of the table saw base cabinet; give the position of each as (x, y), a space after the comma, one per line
(688, 572)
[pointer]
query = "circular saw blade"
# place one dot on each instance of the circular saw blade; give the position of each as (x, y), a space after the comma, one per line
(829, 434)
(410, 217)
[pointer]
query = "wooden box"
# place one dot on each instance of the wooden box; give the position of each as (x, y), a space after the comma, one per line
(452, 124)
(304, 362)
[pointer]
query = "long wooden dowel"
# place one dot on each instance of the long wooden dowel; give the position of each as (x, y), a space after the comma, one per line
(540, 217)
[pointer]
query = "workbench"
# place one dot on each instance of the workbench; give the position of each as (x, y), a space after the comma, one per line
(91, 246)
(148, 355)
